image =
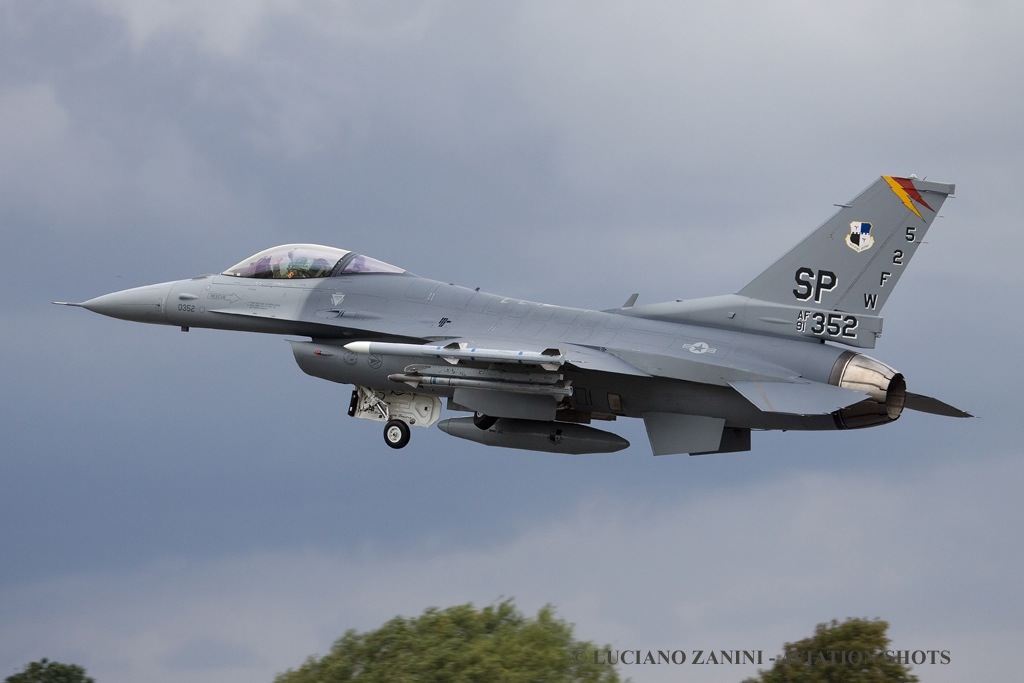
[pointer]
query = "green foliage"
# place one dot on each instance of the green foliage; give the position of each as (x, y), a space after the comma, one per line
(854, 651)
(45, 671)
(460, 644)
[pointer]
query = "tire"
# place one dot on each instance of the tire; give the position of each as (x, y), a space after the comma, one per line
(484, 422)
(396, 434)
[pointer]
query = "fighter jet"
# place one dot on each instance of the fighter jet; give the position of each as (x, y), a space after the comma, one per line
(779, 354)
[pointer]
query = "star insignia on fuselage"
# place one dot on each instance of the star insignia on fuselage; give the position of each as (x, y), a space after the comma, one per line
(699, 347)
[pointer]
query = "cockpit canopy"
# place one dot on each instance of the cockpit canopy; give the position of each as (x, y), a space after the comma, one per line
(292, 261)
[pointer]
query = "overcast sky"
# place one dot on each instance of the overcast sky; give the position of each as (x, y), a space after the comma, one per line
(191, 507)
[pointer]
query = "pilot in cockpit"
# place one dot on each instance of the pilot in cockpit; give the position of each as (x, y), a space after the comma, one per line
(295, 261)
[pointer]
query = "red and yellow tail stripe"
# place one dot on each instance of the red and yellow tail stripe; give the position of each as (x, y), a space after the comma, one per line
(905, 190)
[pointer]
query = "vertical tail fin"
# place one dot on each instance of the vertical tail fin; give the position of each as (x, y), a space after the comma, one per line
(833, 284)
(854, 260)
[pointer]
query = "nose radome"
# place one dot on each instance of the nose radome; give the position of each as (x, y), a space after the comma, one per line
(141, 304)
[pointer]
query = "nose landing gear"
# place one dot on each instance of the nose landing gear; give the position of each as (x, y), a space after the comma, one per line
(396, 433)
(398, 411)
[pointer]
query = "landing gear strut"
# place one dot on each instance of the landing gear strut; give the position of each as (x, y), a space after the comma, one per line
(396, 433)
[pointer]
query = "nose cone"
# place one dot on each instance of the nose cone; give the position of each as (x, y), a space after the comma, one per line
(141, 304)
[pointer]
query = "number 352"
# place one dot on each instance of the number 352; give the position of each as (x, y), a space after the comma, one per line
(834, 325)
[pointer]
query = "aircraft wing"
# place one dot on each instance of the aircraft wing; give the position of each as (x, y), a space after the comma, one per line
(497, 377)
(797, 397)
(769, 388)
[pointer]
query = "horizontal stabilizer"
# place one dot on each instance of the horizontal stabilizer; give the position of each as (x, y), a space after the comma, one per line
(797, 398)
(927, 404)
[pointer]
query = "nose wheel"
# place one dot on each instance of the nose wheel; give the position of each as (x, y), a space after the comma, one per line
(396, 433)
